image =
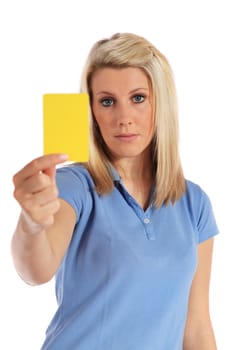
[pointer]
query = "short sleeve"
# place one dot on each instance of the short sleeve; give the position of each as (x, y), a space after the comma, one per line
(71, 188)
(205, 220)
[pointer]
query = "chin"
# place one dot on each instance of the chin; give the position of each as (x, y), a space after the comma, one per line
(129, 152)
(121, 155)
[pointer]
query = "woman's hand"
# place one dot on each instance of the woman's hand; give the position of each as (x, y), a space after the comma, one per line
(36, 192)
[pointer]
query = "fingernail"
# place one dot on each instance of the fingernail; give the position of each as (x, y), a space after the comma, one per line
(63, 156)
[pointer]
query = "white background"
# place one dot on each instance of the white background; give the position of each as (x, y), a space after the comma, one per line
(43, 46)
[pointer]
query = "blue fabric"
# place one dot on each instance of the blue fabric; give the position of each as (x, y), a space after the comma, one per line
(124, 282)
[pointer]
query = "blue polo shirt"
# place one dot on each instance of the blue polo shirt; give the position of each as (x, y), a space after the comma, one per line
(124, 282)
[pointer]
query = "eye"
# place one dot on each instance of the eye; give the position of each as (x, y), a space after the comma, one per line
(138, 98)
(106, 102)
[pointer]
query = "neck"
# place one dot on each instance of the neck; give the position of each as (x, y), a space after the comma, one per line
(134, 170)
(136, 175)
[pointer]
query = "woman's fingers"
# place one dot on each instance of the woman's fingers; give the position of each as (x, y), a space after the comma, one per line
(45, 214)
(41, 198)
(36, 190)
(41, 164)
(38, 220)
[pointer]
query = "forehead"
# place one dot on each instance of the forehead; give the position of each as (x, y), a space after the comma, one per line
(112, 78)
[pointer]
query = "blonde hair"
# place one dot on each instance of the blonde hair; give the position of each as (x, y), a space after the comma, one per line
(130, 50)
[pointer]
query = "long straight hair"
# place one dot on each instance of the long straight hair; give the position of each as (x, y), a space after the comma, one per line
(129, 50)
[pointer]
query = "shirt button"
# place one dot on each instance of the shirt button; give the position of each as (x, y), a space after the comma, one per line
(146, 221)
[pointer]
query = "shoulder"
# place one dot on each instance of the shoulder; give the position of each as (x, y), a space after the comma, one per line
(199, 205)
(194, 189)
(74, 174)
(196, 197)
(195, 194)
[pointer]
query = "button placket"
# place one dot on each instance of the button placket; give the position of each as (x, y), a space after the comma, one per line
(148, 224)
(146, 220)
(144, 216)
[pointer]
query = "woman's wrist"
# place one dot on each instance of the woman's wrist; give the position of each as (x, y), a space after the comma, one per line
(29, 226)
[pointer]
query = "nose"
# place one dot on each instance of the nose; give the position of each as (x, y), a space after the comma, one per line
(124, 115)
(122, 123)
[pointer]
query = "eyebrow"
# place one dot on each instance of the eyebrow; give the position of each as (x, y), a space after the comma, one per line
(112, 93)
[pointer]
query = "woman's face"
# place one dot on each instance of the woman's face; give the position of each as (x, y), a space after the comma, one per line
(122, 106)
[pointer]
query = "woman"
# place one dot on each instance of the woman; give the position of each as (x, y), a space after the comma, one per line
(128, 238)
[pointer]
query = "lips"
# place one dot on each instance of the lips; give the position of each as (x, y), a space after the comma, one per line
(126, 137)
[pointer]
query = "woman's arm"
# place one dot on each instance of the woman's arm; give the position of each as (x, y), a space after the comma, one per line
(199, 333)
(46, 223)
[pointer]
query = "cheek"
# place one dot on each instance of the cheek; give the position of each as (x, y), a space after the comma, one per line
(149, 128)
(102, 122)
(97, 116)
(103, 118)
(148, 121)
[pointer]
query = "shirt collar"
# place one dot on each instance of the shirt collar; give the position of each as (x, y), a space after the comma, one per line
(114, 174)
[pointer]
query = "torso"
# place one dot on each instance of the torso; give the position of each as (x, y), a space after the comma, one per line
(126, 277)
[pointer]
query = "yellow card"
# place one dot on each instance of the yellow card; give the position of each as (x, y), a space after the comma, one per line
(65, 122)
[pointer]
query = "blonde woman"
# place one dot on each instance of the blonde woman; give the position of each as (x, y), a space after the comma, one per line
(128, 238)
